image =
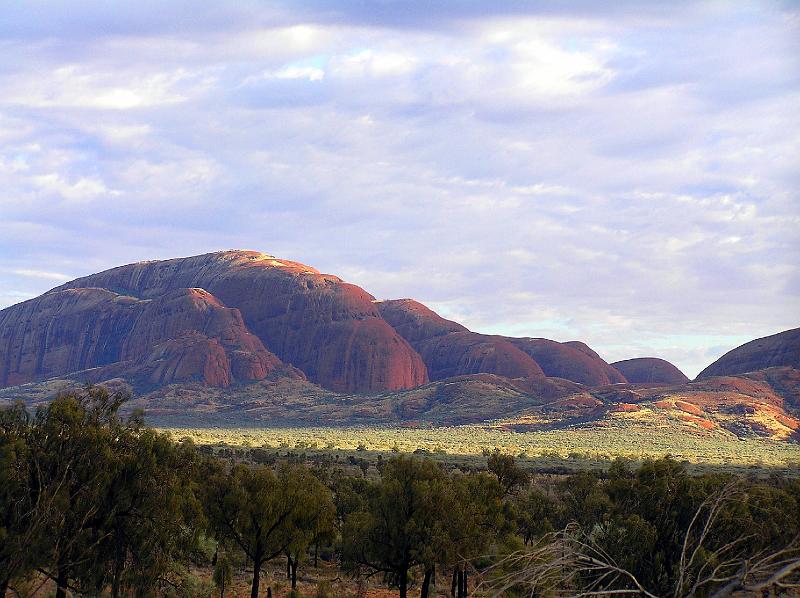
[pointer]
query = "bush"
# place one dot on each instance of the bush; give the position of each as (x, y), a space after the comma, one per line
(324, 590)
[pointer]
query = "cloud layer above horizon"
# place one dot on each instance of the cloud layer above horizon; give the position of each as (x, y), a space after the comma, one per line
(628, 176)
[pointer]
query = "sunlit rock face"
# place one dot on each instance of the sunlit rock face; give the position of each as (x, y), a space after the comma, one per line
(276, 310)
(777, 350)
(650, 370)
(449, 349)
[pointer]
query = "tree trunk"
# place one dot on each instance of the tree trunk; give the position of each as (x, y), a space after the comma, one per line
(288, 567)
(460, 584)
(294, 574)
(466, 587)
(426, 583)
(403, 582)
(316, 552)
(4, 587)
(119, 565)
(256, 576)
(454, 582)
(114, 585)
(269, 591)
(62, 579)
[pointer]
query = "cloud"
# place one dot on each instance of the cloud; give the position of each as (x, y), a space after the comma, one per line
(56, 276)
(624, 175)
(83, 189)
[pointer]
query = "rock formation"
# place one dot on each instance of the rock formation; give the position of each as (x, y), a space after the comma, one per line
(235, 317)
(581, 346)
(323, 326)
(449, 349)
(566, 360)
(185, 334)
(650, 370)
(782, 349)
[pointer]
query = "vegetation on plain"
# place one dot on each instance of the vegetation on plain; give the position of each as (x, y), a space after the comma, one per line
(95, 504)
(575, 448)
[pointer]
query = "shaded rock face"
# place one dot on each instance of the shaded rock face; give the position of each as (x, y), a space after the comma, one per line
(329, 329)
(562, 360)
(650, 370)
(460, 353)
(414, 321)
(449, 349)
(186, 334)
(63, 332)
(777, 350)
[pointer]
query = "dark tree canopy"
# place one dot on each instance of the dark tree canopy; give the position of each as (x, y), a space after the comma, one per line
(98, 503)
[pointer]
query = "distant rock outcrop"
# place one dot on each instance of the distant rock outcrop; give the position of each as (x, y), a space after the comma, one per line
(185, 334)
(449, 349)
(650, 370)
(566, 360)
(777, 350)
(581, 346)
(240, 317)
(415, 321)
(241, 332)
(327, 328)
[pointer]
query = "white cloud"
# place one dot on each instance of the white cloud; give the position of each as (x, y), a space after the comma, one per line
(371, 63)
(82, 189)
(298, 72)
(76, 86)
(625, 179)
(55, 276)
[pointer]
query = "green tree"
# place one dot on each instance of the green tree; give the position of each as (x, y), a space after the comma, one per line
(152, 516)
(479, 516)
(658, 531)
(508, 473)
(106, 501)
(646, 518)
(312, 518)
(535, 511)
(20, 523)
(71, 444)
(223, 574)
(584, 500)
(258, 510)
(404, 523)
(350, 496)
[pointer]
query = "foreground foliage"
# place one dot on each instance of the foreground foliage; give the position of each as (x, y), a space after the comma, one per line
(93, 503)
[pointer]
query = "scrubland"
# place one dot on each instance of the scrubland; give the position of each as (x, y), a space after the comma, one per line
(575, 448)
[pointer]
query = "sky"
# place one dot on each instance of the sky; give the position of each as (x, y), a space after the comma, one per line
(626, 174)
